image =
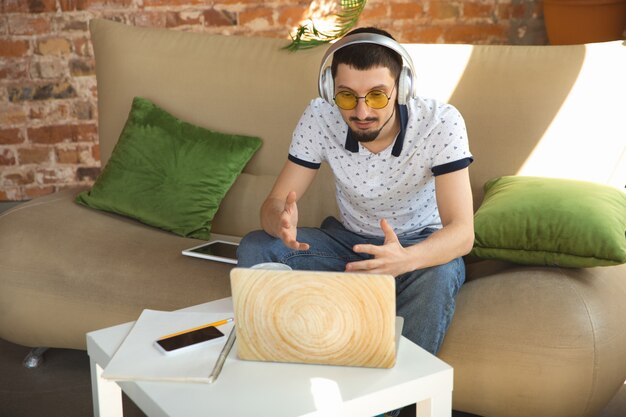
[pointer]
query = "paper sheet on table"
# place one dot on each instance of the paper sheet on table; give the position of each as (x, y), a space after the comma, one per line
(138, 359)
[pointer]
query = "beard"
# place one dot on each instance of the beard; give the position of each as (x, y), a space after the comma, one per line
(371, 135)
(364, 137)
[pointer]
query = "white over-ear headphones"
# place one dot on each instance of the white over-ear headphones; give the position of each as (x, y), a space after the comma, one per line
(406, 82)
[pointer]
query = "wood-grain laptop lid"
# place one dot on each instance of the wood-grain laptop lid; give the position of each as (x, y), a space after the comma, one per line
(329, 318)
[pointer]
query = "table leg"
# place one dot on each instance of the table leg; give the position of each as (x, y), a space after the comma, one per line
(106, 394)
(439, 406)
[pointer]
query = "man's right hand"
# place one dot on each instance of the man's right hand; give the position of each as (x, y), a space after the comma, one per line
(288, 228)
(279, 214)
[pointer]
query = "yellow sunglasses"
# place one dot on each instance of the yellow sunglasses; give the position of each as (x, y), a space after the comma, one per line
(376, 99)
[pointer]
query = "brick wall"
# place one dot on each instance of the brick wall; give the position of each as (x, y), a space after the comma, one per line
(48, 113)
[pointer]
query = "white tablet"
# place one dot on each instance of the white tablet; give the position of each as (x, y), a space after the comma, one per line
(217, 250)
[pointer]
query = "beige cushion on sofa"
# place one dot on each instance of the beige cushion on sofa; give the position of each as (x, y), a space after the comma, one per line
(548, 340)
(84, 270)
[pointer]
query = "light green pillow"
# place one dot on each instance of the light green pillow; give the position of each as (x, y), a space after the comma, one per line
(547, 221)
(169, 173)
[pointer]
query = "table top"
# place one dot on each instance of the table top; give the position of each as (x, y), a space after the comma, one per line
(283, 389)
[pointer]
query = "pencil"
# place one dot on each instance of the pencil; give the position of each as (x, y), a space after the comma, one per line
(222, 358)
(204, 326)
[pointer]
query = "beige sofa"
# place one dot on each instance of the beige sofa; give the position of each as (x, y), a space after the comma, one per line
(525, 341)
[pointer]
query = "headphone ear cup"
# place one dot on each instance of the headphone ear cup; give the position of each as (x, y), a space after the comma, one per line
(327, 87)
(405, 86)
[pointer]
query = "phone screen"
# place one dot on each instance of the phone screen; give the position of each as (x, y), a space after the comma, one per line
(190, 338)
(221, 249)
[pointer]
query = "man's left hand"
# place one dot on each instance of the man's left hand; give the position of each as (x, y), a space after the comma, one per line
(389, 258)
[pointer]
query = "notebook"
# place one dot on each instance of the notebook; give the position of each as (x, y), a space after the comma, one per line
(330, 318)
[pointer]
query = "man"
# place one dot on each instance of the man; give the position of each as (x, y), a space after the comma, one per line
(402, 188)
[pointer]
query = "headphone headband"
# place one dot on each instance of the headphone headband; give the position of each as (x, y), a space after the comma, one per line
(373, 38)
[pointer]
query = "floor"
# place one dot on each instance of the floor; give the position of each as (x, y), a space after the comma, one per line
(61, 387)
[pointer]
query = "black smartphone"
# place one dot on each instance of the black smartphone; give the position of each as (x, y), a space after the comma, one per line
(184, 341)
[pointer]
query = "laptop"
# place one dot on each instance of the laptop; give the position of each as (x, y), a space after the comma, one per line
(330, 318)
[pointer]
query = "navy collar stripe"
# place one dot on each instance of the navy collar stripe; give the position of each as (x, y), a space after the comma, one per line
(352, 144)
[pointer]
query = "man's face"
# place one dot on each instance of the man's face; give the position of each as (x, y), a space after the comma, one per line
(365, 122)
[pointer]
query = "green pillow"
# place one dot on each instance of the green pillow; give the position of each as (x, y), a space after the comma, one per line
(546, 221)
(169, 173)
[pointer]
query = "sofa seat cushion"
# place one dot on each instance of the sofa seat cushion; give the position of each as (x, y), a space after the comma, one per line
(548, 334)
(169, 173)
(550, 221)
(89, 269)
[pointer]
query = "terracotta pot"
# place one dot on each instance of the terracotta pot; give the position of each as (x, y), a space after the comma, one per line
(582, 21)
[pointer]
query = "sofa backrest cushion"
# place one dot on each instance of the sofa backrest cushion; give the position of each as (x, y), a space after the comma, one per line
(530, 110)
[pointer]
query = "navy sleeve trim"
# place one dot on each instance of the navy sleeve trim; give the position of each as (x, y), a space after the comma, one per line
(303, 163)
(452, 166)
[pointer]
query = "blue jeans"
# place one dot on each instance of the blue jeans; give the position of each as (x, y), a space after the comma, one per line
(425, 297)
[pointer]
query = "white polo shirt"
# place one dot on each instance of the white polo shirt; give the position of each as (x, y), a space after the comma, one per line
(398, 183)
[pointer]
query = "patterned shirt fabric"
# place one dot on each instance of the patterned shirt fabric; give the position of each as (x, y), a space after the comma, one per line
(398, 183)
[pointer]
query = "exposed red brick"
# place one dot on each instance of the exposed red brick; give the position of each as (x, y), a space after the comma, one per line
(215, 17)
(103, 4)
(82, 67)
(47, 69)
(69, 22)
(11, 136)
(68, 156)
(37, 191)
(13, 6)
(74, 5)
(7, 157)
(13, 69)
(34, 155)
(406, 10)
(11, 193)
(13, 48)
(82, 47)
(476, 34)
(18, 93)
(58, 175)
(292, 15)
(95, 152)
(422, 34)
(18, 178)
(513, 10)
(175, 19)
(62, 133)
(54, 46)
(88, 173)
(443, 10)
(27, 25)
(50, 111)
(375, 11)
(41, 6)
(172, 3)
(12, 115)
(83, 110)
(149, 18)
(472, 10)
(260, 16)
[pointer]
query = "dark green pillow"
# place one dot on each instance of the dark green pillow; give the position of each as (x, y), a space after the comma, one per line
(169, 173)
(547, 221)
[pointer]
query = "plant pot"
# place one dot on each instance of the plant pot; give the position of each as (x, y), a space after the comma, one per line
(583, 21)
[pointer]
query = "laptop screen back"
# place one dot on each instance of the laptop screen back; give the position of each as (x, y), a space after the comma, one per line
(331, 318)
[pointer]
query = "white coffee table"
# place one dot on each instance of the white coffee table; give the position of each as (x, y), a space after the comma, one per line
(277, 389)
